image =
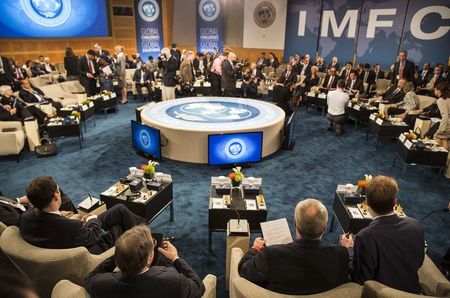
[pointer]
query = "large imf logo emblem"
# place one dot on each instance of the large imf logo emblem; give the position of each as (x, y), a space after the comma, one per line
(148, 10)
(209, 10)
(235, 148)
(213, 112)
(145, 139)
(49, 13)
(264, 14)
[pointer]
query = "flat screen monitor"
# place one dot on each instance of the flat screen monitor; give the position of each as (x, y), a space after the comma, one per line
(146, 139)
(235, 148)
(54, 18)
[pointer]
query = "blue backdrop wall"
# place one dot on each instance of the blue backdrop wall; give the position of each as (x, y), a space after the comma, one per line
(369, 31)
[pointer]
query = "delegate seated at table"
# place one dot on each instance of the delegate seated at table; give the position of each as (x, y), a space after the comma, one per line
(393, 95)
(409, 103)
(32, 95)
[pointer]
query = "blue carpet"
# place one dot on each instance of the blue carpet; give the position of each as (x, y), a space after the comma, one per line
(319, 162)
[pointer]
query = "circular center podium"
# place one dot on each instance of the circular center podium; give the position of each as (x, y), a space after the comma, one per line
(185, 124)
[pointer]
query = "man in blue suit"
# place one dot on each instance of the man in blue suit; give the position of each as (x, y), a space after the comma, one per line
(391, 249)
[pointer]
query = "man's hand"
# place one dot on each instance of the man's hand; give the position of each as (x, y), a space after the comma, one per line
(259, 243)
(347, 240)
(24, 200)
(7, 107)
(83, 219)
(89, 75)
(67, 214)
(169, 251)
(13, 111)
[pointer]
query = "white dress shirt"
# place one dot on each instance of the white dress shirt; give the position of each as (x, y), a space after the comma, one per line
(337, 100)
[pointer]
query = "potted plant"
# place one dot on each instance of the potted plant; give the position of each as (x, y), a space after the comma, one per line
(149, 169)
(236, 177)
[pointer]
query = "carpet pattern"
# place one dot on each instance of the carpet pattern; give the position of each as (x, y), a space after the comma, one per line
(319, 162)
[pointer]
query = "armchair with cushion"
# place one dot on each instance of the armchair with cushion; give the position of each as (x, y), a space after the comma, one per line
(45, 267)
(242, 288)
(12, 142)
(67, 289)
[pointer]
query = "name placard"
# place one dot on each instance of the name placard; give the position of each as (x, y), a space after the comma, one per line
(357, 107)
(379, 121)
(402, 138)
(372, 117)
(408, 144)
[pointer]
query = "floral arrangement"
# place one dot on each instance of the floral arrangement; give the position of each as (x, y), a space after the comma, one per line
(85, 102)
(236, 176)
(411, 135)
(75, 114)
(149, 169)
(106, 92)
(363, 183)
(380, 115)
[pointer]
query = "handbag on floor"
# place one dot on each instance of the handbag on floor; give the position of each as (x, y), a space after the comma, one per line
(47, 148)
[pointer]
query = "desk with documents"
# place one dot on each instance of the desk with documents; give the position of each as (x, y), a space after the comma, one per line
(145, 203)
(251, 207)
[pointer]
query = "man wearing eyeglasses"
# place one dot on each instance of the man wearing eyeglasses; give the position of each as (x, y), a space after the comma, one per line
(139, 276)
(45, 226)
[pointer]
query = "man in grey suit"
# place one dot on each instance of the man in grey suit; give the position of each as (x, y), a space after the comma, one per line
(391, 249)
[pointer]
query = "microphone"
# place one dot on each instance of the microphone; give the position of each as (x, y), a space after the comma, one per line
(435, 211)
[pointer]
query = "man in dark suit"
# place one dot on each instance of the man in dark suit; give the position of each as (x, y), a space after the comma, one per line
(88, 72)
(229, 72)
(368, 75)
(302, 267)
(395, 94)
(262, 61)
(6, 75)
(169, 69)
(403, 69)
(345, 72)
(379, 74)
(252, 78)
(138, 277)
(425, 75)
(175, 53)
(11, 209)
(330, 80)
(289, 76)
(354, 84)
(143, 78)
(391, 249)
(19, 75)
(334, 63)
(304, 68)
(46, 227)
(46, 67)
(32, 95)
(282, 96)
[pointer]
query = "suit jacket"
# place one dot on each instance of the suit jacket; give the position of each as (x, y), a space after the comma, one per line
(170, 68)
(281, 95)
(28, 97)
(337, 66)
(275, 63)
(158, 281)
(148, 76)
(50, 230)
(71, 65)
(307, 69)
(228, 75)
(302, 267)
(390, 250)
(6, 115)
(370, 77)
(320, 67)
(333, 85)
(358, 85)
(42, 67)
(344, 73)
(22, 71)
(393, 97)
(187, 72)
(83, 66)
(291, 79)
(379, 75)
(408, 72)
(7, 69)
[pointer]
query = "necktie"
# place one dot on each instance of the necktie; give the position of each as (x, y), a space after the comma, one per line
(396, 91)
(19, 74)
(402, 65)
(287, 74)
(351, 85)
(366, 74)
(376, 76)
(424, 73)
(347, 74)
